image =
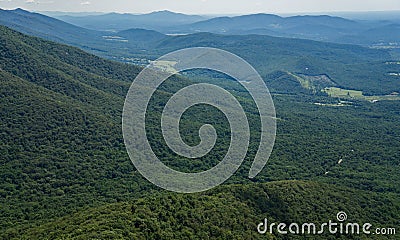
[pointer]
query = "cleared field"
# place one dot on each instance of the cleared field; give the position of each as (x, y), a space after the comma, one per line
(167, 66)
(343, 93)
(355, 94)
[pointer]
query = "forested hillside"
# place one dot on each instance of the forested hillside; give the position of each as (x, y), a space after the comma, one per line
(65, 171)
(61, 143)
(229, 212)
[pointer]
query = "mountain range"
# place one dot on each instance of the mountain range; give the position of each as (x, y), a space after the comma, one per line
(383, 34)
(117, 21)
(319, 27)
(361, 68)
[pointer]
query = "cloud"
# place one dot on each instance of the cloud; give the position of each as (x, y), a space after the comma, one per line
(36, 2)
(85, 3)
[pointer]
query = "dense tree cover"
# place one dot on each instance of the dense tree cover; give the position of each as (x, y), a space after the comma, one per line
(228, 212)
(61, 145)
(61, 151)
(312, 138)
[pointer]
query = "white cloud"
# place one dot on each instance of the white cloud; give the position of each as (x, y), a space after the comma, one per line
(85, 3)
(36, 2)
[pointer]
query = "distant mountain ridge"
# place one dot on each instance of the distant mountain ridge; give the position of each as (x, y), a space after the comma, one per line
(321, 27)
(97, 42)
(43, 26)
(314, 27)
(264, 20)
(75, 29)
(122, 21)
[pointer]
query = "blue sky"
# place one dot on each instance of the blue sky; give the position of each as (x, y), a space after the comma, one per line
(204, 6)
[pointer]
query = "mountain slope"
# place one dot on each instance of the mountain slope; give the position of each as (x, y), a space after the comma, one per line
(60, 143)
(74, 70)
(105, 44)
(47, 27)
(229, 212)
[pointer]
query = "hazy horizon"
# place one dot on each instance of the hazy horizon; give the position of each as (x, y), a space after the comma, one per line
(205, 7)
(356, 15)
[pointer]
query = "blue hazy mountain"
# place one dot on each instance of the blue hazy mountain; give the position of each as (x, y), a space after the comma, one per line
(106, 44)
(46, 27)
(320, 28)
(117, 21)
(138, 34)
(326, 28)
(270, 21)
(388, 33)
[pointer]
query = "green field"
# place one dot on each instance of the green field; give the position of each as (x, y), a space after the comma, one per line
(358, 95)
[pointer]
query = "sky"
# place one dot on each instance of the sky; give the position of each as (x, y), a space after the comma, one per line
(204, 6)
